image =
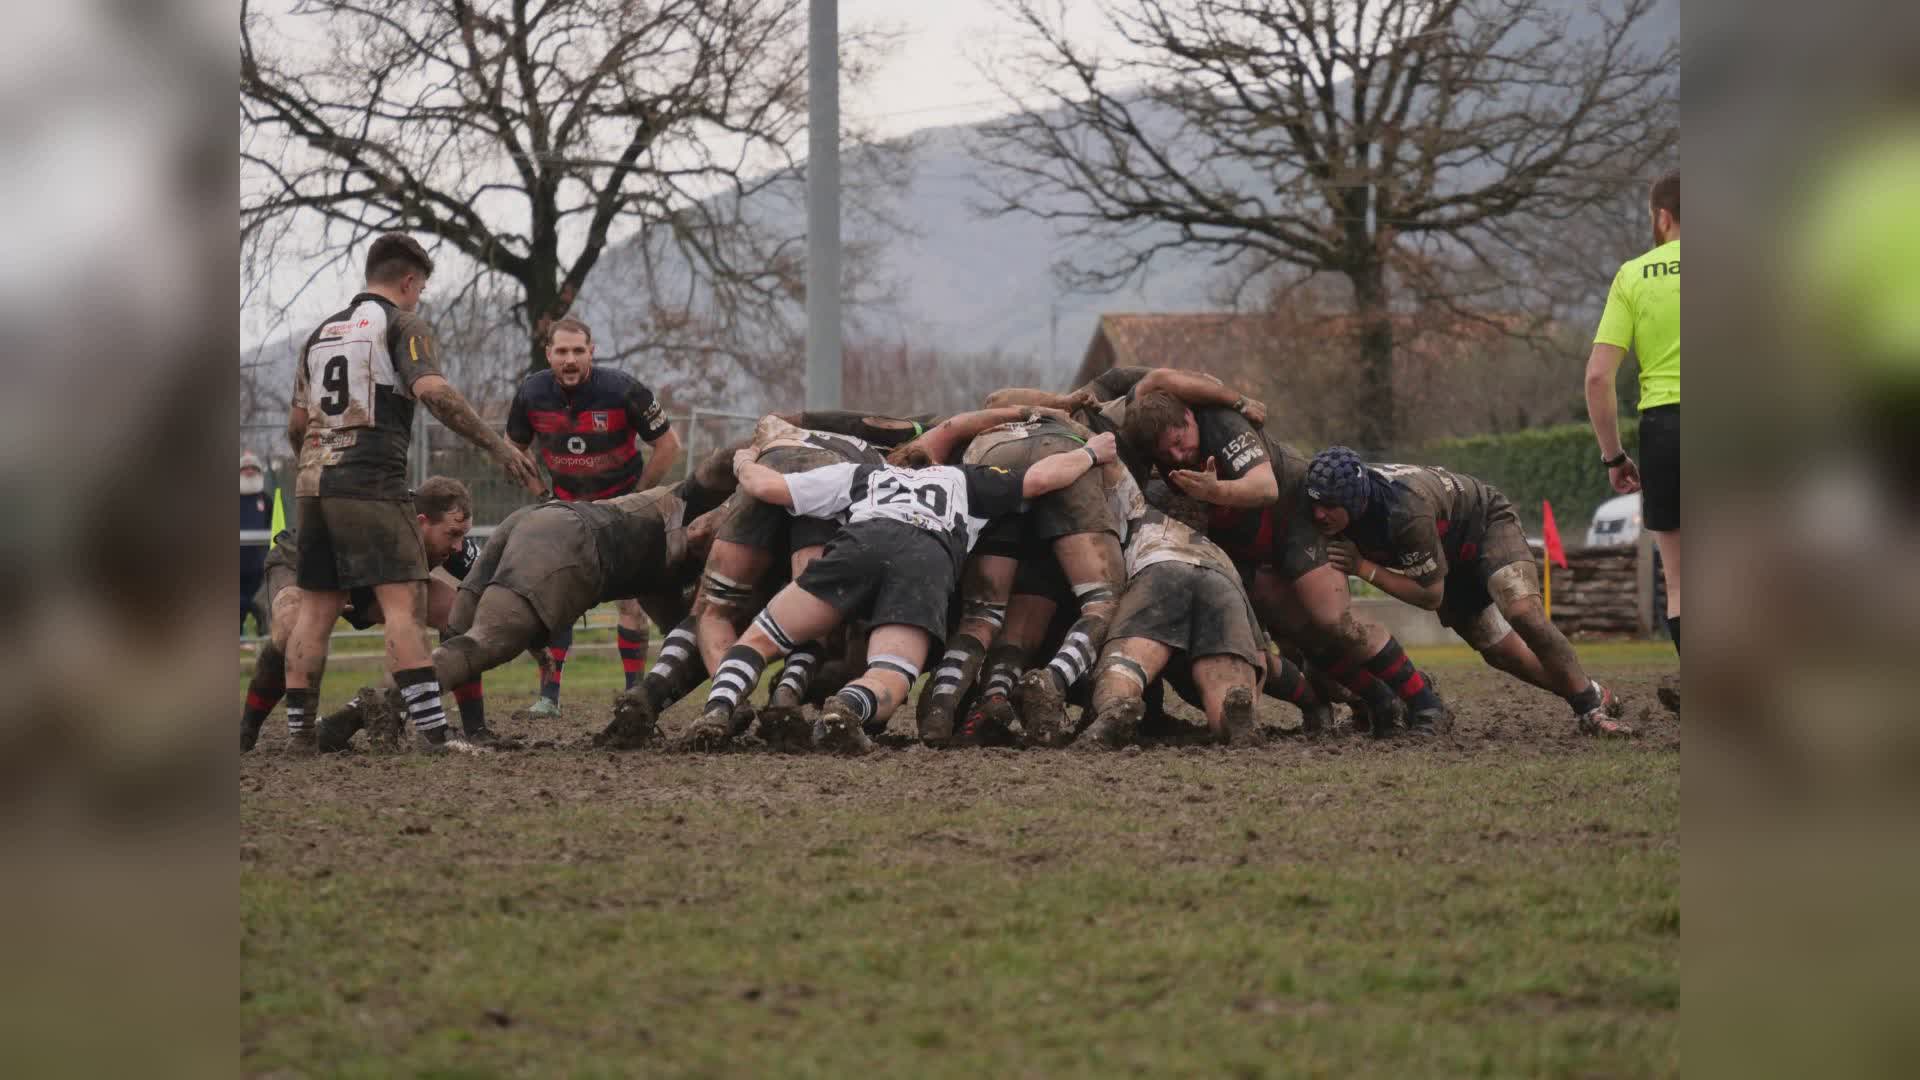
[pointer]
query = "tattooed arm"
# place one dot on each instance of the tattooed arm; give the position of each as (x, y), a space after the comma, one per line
(444, 402)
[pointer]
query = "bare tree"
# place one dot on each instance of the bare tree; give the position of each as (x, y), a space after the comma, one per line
(1416, 146)
(529, 136)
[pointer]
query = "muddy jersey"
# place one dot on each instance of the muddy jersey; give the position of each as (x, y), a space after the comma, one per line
(630, 536)
(1237, 448)
(355, 379)
(1430, 519)
(1014, 432)
(1118, 382)
(882, 431)
(1114, 387)
(1156, 538)
(585, 436)
(953, 502)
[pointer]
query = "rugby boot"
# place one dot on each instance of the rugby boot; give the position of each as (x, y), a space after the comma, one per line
(936, 715)
(543, 709)
(445, 740)
(250, 733)
(635, 722)
(1316, 718)
(1043, 710)
(1379, 710)
(1435, 719)
(711, 731)
(785, 727)
(336, 729)
(1114, 726)
(1602, 719)
(1237, 712)
(300, 744)
(972, 729)
(839, 731)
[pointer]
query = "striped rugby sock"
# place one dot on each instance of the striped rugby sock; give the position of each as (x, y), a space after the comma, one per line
(633, 653)
(957, 668)
(420, 690)
(738, 674)
(1077, 652)
(860, 700)
(799, 670)
(301, 705)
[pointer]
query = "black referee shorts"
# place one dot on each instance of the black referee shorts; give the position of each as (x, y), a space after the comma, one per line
(1660, 468)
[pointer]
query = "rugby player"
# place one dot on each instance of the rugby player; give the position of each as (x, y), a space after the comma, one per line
(907, 532)
(1449, 543)
(351, 417)
(544, 567)
(585, 421)
(1024, 600)
(1643, 314)
(1262, 517)
(443, 510)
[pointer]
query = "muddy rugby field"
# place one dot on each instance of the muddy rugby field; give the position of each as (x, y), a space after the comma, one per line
(1504, 901)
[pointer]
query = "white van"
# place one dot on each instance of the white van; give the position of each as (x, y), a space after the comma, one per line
(1616, 522)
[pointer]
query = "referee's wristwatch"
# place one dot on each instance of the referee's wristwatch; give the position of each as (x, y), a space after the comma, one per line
(1616, 461)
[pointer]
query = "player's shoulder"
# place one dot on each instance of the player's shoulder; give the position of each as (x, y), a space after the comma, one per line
(615, 382)
(539, 383)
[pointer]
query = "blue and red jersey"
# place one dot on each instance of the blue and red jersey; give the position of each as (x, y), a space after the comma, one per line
(585, 436)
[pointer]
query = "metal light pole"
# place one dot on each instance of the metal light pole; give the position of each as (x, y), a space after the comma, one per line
(823, 205)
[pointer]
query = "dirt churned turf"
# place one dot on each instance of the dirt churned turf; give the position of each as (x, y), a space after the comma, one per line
(1502, 901)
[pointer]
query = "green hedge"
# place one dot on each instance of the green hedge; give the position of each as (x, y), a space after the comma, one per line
(1560, 464)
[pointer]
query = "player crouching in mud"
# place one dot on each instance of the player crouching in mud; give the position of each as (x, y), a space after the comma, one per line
(907, 532)
(1449, 543)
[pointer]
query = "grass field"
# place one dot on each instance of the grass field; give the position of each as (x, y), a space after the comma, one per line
(1501, 902)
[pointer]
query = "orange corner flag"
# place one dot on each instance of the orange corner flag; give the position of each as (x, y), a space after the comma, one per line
(1551, 534)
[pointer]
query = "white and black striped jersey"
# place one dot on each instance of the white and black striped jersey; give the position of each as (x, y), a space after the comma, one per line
(954, 502)
(355, 380)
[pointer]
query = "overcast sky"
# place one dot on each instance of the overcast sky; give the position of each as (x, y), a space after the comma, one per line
(930, 79)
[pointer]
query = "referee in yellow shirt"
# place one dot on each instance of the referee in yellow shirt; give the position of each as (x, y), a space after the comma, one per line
(1643, 314)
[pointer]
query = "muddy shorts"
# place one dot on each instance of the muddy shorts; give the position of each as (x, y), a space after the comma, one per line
(1467, 596)
(279, 573)
(545, 555)
(1040, 575)
(755, 524)
(1077, 508)
(1660, 467)
(1192, 609)
(886, 571)
(349, 543)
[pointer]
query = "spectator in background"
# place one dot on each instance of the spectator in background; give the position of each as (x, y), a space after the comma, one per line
(256, 512)
(1643, 314)
(587, 421)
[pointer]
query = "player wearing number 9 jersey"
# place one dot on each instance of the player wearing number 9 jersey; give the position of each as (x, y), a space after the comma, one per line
(354, 389)
(895, 559)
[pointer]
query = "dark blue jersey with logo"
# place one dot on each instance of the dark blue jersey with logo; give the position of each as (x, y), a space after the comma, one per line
(585, 436)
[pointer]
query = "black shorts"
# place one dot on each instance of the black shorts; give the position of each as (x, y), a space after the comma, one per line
(547, 556)
(1660, 468)
(759, 525)
(279, 574)
(1191, 609)
(887, 572)
(1465, 596)
(349, 543)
